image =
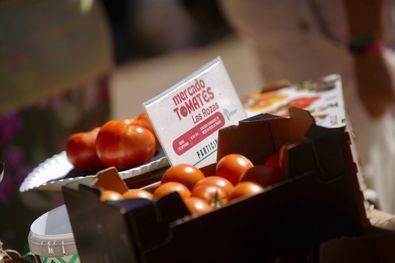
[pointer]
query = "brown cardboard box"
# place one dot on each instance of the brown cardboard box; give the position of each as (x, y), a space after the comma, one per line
(319, 201)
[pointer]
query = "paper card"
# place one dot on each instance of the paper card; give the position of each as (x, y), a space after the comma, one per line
(322, 98)
(188, 115)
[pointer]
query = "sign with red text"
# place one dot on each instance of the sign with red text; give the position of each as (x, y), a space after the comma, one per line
(187, 116)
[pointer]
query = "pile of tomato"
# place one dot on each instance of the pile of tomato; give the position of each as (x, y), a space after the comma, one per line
(123, 144)
(235, 177)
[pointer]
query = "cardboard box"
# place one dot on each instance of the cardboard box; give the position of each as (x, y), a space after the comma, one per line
(377, 245)
(319, 201)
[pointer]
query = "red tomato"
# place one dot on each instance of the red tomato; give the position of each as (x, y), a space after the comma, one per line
(213, 195)
(273, 161)
(279, 160)
(124, 145)
(137, 193)
(217, 181)
(283, 158)
(109, 195)
(144, 116)
(232, 166)
(169, 187)
(81, 151)
(245, 189)
(144, 121)
(141, 123)
(262, 175)
(197, 206)
(185, 174)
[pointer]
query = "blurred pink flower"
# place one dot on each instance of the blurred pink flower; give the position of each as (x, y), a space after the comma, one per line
(9, 124)
(13, 157)
(8, 188)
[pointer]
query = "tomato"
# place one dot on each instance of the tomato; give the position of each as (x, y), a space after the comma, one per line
(169, 187)
(213, 195)
(283, 158)
(137, 193)
(124, 145)
(273, 161)
(263, 175)
(245, 189)
(144, 116)
(279, 160)
(185, 174)
(232, 166)
(217, 181)
(197, 206)
(144, 121)
(81, 151)
(141, 123)
(109, 195)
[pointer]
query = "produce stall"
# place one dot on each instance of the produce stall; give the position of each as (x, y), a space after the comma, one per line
(282, 184)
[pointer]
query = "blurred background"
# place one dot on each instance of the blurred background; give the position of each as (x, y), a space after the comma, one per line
(70, 65)
(158, 43)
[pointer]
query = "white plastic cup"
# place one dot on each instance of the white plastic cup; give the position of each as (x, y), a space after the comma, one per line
(51, 237)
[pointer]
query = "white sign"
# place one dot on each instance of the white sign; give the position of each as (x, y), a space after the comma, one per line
(187, 116)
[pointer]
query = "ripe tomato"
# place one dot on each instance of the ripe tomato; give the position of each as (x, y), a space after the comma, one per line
(217, 181)
(169, 187)
(137, 193)
(245, 189)
(232, 166)
(109, 195)
(144, 121)
(273, 161)
(279, 160)
(197, 206)
(81, 151)
(137, 122)
(283, 158)
(185, 174)
(144, 116)
(124, 145)
(262, 175)
(213, 195)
